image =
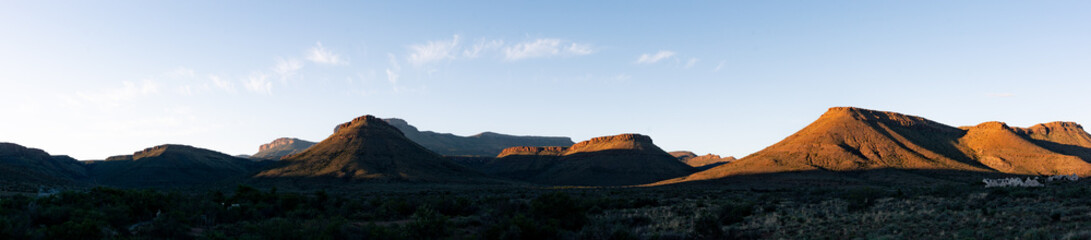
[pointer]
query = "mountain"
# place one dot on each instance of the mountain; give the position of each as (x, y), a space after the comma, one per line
(701, 162)
(883, 144)
(281, 147)
(24, 166)
(483, 144)
(683, 155)
(1006, 150)
(624, 159)
(368, 148)
(171, 165)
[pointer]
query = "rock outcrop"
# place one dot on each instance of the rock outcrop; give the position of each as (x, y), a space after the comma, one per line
(486, 144)
(369, 149)
(281, 147)
(625, 159)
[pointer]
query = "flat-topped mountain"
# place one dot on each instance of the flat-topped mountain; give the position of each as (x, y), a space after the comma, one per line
(483, 144)
(624, 159)
(170, 165)
(20, 165)
(281, 147)
(368, 148)
(846, 139)
(701, 162)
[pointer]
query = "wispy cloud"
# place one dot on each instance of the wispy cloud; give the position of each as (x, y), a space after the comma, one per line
(433, 51)
(482, 46)
(218, 82)
(258, 82)
(691, 62)
(654, 58)
(545, 47)
(319, 54)
(720, 66)
(287, 68)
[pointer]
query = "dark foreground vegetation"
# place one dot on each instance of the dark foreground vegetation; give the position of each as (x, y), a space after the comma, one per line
(941, 212)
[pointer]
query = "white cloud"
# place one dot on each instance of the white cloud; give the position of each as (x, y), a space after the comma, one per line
(391, 76)
(482, 46)
(222, 84)
(719, 66)
(433, 51)
(320, 54)
(259, 83)
(545, 47)
(580, 49)
(287, 68)
(650, 58)
(691, 62)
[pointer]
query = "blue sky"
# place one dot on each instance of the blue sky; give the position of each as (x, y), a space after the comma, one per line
(93, 79)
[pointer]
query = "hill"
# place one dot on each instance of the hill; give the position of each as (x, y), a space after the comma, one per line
(281, 147)
(171, 165)
(21, 167)
(368, 148)
(486, 144)
(891, 147)
(701, 162)
(624, 159)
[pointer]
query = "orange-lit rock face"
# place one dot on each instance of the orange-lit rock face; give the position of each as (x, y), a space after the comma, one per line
(852, 139)
(536, 151)
(624, 159)
(277, 143)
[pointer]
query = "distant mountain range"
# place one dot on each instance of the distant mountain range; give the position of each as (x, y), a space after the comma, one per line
(281, 147)
(482, 144)
(844, 146)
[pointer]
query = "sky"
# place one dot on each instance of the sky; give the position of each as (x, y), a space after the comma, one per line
(93, 79)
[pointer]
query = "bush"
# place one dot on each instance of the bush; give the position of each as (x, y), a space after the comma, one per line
(560, 210)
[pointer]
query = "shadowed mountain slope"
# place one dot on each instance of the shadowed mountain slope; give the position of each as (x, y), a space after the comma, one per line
(367, 148)
(281, 147)
(171, 165)
(22, 165)
(486, 144)
(624, 159)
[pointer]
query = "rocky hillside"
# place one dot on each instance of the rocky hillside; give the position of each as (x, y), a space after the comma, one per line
(624, 159)
(846, 139)
(369, 149)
